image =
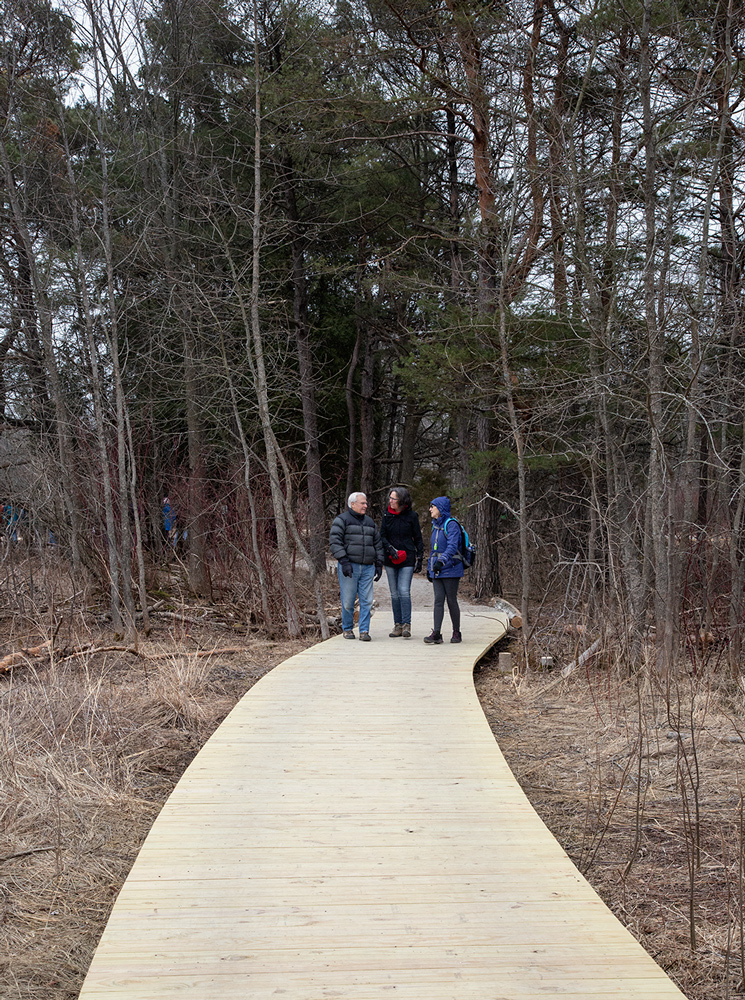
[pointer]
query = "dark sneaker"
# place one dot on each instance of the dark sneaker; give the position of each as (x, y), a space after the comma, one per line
(457, 637)
(433, 639)
(406, 631)
(397, 631)
(349, 635)
(365, 637)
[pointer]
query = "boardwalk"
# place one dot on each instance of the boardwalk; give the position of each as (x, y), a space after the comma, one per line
(352, 831)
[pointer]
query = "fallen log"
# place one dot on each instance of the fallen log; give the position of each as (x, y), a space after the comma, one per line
(9, 661)
(179, 619)
(571, 667)
(219, 651)
(90, 648)
(22, 654)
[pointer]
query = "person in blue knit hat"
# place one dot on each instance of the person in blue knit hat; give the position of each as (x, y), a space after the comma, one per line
(444, 568)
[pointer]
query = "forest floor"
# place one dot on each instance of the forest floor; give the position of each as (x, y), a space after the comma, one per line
(641, 785)
(94, 741)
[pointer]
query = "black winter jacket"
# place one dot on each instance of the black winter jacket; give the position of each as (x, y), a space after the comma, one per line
(356, 538)
(402, 531)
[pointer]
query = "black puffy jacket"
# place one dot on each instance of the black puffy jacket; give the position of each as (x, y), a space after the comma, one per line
(355, 537)
(402, 531)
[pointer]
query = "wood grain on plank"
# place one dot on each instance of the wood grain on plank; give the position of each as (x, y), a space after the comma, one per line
(352, 830)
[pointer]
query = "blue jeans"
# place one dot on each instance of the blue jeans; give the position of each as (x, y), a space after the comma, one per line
(399, 581)
(359, 584)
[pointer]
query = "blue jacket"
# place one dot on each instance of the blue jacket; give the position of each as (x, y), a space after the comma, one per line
(444, 546)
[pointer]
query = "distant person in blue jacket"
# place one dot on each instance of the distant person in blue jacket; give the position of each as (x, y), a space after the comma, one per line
(444, 568)
(12, 518)
(170, 523)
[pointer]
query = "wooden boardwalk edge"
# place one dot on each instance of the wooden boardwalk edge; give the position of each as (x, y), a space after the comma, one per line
(352, 830)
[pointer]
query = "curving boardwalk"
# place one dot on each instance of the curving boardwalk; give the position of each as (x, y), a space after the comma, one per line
(352, 831)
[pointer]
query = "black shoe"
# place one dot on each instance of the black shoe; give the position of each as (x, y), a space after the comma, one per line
(457, 637)
(433, 639)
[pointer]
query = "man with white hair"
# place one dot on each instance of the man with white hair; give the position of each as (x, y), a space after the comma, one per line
(355, 542)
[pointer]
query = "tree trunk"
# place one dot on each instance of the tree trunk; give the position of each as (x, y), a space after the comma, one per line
(349, 387)
(316, 516)
(33, 354)
(44, 314)
(270, 444)
(412, 420)
(556, 147)
(195, 512)
(486, 579)
(456, 266)
(122, 450)
(657, 493)
(518, 437)
(367, 416)
(113, 551)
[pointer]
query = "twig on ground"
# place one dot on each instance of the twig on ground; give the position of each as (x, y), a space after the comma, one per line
(25, 854)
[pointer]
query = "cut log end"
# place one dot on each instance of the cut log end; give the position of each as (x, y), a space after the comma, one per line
(516, 622)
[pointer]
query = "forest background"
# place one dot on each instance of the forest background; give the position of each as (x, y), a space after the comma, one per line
(254, 256)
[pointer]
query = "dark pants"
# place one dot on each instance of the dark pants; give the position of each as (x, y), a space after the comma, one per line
(447, 589)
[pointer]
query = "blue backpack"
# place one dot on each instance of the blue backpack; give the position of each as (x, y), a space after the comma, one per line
(467, 549)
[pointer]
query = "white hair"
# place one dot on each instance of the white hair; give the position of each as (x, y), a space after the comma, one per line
(352, 498)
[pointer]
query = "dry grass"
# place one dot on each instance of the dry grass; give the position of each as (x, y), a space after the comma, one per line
(640, 781)
(91, 748)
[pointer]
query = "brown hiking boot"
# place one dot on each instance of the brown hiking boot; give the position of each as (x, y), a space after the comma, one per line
(406, 630)
(397, 631)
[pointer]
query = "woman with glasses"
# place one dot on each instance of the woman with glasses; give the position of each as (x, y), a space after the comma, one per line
(403, 546)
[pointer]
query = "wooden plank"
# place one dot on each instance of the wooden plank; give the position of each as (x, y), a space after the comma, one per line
(352, 830)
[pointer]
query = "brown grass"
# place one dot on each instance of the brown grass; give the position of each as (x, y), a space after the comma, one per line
(91, 748)
(615, 765)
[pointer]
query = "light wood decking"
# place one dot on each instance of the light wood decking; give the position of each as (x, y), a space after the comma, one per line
(352, 831)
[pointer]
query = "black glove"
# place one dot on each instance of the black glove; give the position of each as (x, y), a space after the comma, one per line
(346, 567)
(418, 566)
(378, 571)
(438, 566)
(392, 552)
